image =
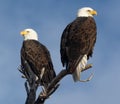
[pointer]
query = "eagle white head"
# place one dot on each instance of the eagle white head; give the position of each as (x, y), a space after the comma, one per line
(29, 34)
(86, 12)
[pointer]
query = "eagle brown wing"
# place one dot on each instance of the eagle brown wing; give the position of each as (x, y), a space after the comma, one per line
(78, 39)
(63, 46)
(38, 57)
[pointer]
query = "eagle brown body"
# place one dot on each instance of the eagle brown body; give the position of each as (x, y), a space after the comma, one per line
(38, 57)
(78, 39)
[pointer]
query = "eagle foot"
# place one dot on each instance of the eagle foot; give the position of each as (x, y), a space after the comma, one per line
(88, 79)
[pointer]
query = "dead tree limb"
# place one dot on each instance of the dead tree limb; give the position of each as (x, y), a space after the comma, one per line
(31, 85)
(56, 80)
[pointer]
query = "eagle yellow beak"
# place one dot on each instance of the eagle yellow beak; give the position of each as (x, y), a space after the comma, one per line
(23, 33)
(93, 12)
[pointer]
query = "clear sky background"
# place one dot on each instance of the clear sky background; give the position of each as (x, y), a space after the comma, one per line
(49, 18)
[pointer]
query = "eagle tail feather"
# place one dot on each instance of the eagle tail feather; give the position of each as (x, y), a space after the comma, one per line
(80, 67)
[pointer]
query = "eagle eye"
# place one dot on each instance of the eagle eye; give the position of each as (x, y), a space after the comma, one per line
(27, 31)
(88, 10)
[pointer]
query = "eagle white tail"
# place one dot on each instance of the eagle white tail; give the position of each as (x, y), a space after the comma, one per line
(81, 65)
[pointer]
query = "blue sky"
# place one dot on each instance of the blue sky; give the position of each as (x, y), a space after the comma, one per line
(49, 18)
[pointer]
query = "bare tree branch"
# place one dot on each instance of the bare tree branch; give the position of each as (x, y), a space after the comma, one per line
(31, 85)
(55, 82)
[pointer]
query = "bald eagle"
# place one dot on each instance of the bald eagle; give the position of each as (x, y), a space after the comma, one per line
(77, 42)
(37, 56)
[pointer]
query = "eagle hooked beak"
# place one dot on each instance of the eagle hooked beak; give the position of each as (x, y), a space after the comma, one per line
(93, 12)
(24, 33)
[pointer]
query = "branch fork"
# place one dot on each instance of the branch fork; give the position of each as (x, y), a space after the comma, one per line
(31, 84)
